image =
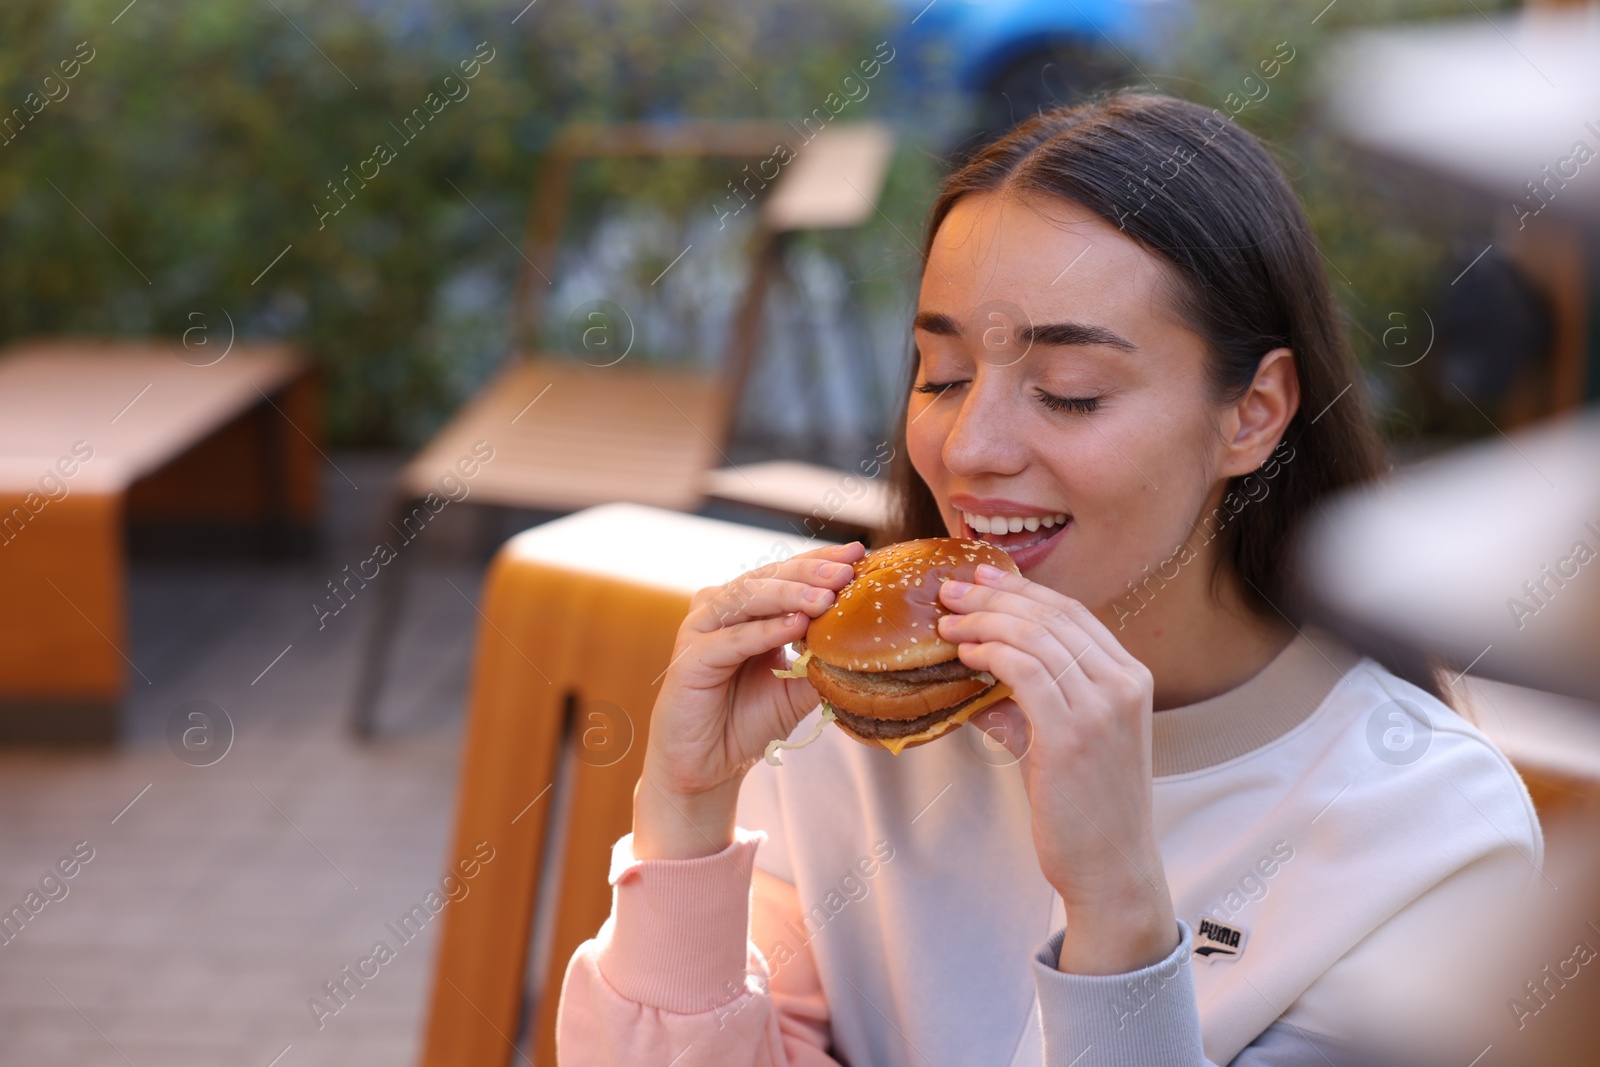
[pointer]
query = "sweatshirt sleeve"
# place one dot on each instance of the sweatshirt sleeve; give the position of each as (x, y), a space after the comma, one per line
(1151, 1016)
(1141, 1017)
(673, 976)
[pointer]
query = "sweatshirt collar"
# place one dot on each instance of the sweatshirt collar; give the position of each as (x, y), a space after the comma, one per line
(1278, 698)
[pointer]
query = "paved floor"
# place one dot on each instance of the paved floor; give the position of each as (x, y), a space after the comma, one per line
(219, 899)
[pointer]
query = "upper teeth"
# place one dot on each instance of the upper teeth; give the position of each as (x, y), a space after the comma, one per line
(1012, 523)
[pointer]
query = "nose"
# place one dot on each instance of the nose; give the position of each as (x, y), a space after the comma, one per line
(984, 437)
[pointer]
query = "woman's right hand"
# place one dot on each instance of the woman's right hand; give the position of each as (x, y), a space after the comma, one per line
(720, 704)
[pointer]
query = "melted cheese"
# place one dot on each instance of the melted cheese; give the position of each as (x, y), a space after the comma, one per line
(896, 744)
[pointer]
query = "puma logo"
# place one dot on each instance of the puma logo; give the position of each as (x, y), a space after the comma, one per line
(1218, 940)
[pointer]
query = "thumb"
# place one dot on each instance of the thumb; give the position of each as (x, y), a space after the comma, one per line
(1004, 725)
(800, 699)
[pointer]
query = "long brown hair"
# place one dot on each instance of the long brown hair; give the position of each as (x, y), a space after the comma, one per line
(1192, 187)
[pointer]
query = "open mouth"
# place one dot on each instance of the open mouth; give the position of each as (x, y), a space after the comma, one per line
(1013, 533)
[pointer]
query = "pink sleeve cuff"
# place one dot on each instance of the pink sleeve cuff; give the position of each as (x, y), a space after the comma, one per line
(679, 930)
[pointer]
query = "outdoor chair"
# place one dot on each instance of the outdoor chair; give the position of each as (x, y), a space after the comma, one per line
(568, 434)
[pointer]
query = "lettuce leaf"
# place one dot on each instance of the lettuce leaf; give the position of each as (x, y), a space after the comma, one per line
(827, 716)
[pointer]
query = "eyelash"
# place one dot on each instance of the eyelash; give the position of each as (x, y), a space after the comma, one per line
(1080, 404)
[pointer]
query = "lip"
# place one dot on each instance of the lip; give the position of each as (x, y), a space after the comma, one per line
(1024, 558)
(997, 505)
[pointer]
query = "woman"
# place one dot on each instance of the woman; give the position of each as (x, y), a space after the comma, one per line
(1197, 832)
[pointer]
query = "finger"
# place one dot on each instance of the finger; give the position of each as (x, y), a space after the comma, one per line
(1077, 715)
(1108, 665)
(1031, 688)
(1005, 724)
(847, 552)
(834, 574)
(758, 598)
(1074, 665)
(1034, 625)
(731, 646)
(1086, 620)
(731, 602)
(806, 563)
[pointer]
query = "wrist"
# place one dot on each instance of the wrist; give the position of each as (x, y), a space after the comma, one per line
(672, 825)
(1118, 937)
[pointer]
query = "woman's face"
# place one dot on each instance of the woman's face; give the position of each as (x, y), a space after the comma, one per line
(1057, 385)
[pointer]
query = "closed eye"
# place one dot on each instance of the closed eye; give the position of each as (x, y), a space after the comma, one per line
(1081, 404)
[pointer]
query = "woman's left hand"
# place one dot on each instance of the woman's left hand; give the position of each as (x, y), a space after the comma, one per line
(1079, 719)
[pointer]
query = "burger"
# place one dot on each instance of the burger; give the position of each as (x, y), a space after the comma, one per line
(876, 659)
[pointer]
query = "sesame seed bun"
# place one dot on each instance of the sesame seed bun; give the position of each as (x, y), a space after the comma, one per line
(887, 618)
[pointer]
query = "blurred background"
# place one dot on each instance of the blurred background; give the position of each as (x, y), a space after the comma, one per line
(268, 270)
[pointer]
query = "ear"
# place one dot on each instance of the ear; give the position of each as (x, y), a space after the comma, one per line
(1253, 426)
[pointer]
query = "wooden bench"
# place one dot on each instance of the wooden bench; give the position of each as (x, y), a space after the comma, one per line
(101, 441)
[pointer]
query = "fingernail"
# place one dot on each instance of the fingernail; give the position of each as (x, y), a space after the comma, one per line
(788, 620)
(833, 570)
(815, 595)
(957, 587)
(989, 572)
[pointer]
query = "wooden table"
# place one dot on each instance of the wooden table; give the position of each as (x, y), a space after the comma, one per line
(97, 437)
(579, 617)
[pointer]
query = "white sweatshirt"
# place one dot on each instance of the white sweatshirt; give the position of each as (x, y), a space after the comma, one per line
(1308, 809)
(1322, 826)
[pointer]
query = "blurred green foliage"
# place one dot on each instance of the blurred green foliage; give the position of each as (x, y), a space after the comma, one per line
(1386, 241)
(193, 146)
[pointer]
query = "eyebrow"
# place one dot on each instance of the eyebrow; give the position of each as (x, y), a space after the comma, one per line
(1055, 333)
(936, 323)
(1074, 333)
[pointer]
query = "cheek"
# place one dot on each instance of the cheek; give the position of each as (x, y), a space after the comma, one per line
(1111, 505)
(1136, 482)
(925, 436)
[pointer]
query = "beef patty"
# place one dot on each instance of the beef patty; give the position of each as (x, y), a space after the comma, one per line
(901, 727)
(949, 671)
